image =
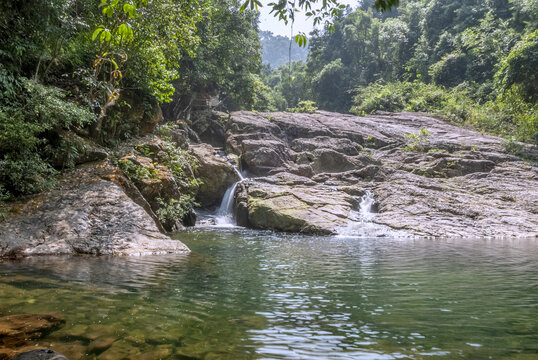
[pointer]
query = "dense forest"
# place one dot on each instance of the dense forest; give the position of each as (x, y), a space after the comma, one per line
(99, 70)
(473, 62)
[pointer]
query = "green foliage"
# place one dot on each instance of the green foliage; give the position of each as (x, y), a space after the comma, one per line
(182, 165)
(519, 67)
(288, 88)
(275, 50)
(135, 170)
(511, 146)
(175, 209)
(451, 58)
(29, 124)
(226, 63)
(450, 70)
(304, 107)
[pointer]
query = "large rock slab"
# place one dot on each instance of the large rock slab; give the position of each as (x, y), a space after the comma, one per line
(88, 213)
(429, 178)
(297, 208)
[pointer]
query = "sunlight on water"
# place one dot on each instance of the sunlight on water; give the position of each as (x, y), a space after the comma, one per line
(259, 295)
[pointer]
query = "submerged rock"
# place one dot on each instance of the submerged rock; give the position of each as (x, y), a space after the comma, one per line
(447, 182)
(40, 354)
(18, 330)
(88, 213)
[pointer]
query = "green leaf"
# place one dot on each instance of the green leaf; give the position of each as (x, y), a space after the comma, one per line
(97, 32)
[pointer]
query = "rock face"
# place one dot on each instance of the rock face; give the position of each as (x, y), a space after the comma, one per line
(308, 173)
(88, 213)
(215, 173)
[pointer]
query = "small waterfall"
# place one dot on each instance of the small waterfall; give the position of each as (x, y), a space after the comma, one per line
(225, 213)
(365, 207)
(361, 222)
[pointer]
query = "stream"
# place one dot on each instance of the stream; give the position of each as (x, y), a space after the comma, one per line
(247, 294)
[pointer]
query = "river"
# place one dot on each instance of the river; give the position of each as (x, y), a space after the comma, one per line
(262, 295)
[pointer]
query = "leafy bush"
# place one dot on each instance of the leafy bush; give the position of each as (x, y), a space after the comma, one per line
(175, 209)
(450, 70)
(417, 142)
(182, 165)
(519, 67)
(137, 171)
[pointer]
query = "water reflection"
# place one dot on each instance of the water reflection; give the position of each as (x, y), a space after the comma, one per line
(250, 295)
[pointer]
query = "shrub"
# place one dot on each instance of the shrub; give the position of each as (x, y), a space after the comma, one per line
(417, 142)
(174, 209)
(304, 107)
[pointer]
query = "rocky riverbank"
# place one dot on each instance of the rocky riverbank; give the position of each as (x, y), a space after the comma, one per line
(307, 173)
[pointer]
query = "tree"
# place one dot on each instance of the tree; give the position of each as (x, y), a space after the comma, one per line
(518, 68)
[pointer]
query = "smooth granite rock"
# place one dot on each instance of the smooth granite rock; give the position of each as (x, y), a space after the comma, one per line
(88, 213)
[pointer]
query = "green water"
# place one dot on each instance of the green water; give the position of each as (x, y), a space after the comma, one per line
(256, 295)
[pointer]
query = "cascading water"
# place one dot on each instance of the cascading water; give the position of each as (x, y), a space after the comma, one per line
(361, 222)
(365, 207)
(225, 213)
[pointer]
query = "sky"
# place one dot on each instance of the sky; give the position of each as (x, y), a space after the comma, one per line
(269, 23)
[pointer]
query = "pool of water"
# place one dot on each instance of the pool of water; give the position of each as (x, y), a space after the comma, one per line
(260, 295)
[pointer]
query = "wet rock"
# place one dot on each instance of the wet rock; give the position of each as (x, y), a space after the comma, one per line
(85, 214)
(17, 330)
(241, 205)
(216, 173)
(189, 219)
(120, 350)
(40, 354)
(160, 352)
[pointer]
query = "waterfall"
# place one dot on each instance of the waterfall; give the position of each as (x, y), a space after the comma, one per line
(365, 207)
(225, 213)
(361, 223)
